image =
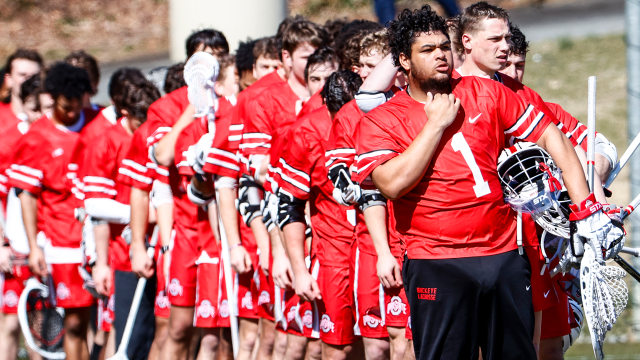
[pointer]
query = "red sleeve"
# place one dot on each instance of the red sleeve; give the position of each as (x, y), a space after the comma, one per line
(520, 120)
(133, 170)
(296, 166)
(221, 158)
(340, 147)
(29, 165)
(256, 139)
(575, 131)
(98, 169)
(188, 137)
(374, 146)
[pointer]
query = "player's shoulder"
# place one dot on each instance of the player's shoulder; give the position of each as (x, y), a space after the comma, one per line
(312, 124)
(392, 111)
(38, 135)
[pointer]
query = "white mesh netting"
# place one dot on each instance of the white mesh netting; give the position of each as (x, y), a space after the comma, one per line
(200, 73)
(605, 296)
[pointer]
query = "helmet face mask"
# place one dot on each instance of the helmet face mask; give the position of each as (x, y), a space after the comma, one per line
(531, 183)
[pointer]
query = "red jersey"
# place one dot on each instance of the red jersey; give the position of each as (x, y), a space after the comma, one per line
(305, 176)
(577, 130)
(221, 159)
(100, 170)
(10, 136)
(41, 167)
(461, 185)
(133, 169)
(7, 118)
(314, 102)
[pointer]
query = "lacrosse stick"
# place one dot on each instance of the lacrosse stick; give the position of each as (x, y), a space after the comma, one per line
(228, 279)
(623, 160)
(42, 323)
(200, 74)
(121, 354)
(591, 137)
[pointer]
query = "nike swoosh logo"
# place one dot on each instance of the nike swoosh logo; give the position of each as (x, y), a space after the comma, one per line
(471, 121)
(528, 287)
(545, 294)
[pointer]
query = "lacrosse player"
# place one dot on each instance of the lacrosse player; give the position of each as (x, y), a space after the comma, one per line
(15, 244)
(41, 168)
(392, 136)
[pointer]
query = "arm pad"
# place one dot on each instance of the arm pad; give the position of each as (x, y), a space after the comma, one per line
(371, 198)
(197, 197)
(161, 194)
(290, 209)
(108, 210)
(248, 202)
(225, 182)
(368, 101)
(339, 176)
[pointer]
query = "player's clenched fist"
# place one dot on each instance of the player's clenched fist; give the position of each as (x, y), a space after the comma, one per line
(441, 109)
(307, 287)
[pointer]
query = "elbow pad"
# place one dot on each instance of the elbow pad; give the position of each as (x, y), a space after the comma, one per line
(198, 198)
(345, 192)
(225, 182)
(161, 194)
(369, 100)
(265, 208)
(290, 209)
(249, 198)
(371, 198)
(152, 154)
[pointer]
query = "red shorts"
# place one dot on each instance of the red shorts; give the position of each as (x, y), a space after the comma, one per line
(266, 293)
(70, 292)
(224, 308)
(337, 305)
(106, 311)
(207, 303)
(542, 289)
(300, 318)
(12, 289)
(246, 287)
(369, 297)
(191, 248)
(408, 334)
(396, 307)
(556, 320)
(163, 306)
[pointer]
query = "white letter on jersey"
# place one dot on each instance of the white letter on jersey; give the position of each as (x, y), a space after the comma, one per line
(460, 144)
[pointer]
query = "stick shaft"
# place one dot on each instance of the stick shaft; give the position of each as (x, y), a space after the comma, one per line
(591, 139)
(228, 279)
(623, 160)
(628, 268)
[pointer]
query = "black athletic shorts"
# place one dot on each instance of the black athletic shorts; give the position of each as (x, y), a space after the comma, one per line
(459, 306)
(144, 328)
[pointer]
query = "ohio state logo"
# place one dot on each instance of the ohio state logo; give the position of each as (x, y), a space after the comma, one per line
(291, 315)
(111, 304)
(396, 306)
(175, 289)
(247, 301)
(11, 299)
(307, 319)
(107, 317)
(205, 309)
(224, 309)
(371, 321)
(326, 324)
(264, 298)
(162, 300)
(63, 292)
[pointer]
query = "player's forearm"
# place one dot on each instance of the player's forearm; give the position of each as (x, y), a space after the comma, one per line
(164, 150)
(139, 200)
(597, 182)
(101, 234)
(29, 205)
(108, 210)
(294, 242)
(229, 215)
(164, 214)
(261, 170)
(376, 219)
(277, 244)
(381, 77)
(564, 155)
(399, 175)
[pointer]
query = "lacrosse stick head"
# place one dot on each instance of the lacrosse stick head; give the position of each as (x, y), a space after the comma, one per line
(42, 323)
(200, 74)
(531, 183)
(604, 297)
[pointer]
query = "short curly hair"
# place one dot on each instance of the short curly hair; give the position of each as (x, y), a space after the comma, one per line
(409, 25)
(377, 41)
(175, 78)
(119, 81)
(322, 55)
(137, 96)
(31, 87)
(519, 43)
(67, 80)
(87, 62)
(340, 88)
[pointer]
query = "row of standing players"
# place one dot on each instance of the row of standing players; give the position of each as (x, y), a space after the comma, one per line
(276, 135)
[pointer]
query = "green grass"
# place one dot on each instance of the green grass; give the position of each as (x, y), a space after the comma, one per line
(612, 352)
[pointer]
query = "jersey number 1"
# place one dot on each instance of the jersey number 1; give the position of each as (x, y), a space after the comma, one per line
(458, 142)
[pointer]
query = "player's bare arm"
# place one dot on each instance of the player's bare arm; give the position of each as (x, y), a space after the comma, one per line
(101, 270)
(304, 284)
(240, 259)
(281, 268)
(141, 264)
(164, 150)
(399, 175)
(29, 204)
(382, 76)
(562, 152)
(388, 269)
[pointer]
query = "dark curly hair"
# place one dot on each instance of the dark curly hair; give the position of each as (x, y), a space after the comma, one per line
(137, 96)
(519, 43)
(31, 87)
(340, 88)
(408, 26)
(67, 80)
(244, 55)
(87, 62)
(209, 38)
(347, 42)
(322, 55)
(120, 79)
(175, 78)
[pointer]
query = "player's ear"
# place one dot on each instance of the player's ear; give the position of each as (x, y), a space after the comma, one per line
(405, 62)
(467, 40)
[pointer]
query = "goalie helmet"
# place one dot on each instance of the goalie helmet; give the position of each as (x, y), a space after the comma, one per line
(531, 183)
(200, 74)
